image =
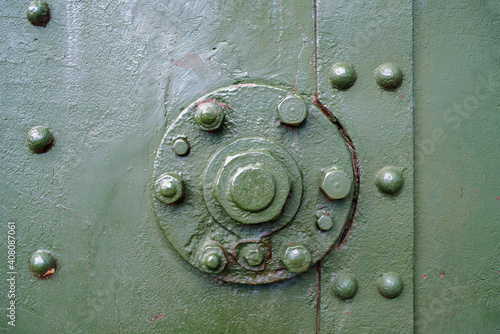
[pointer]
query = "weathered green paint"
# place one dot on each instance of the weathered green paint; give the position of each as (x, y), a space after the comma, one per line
(342, 76)
(43, 264)
(107, 79)
(389, 76)
(39, 139)
(345, 286)
(38, 13)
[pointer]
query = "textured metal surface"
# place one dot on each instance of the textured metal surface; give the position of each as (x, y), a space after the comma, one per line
(296, 158)
(107, 79)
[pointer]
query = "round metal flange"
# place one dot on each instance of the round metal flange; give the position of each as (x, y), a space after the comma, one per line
(251, 185)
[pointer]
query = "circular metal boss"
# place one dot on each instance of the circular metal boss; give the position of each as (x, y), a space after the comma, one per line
(251, 186)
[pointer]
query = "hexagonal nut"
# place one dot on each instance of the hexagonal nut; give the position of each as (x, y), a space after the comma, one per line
(336, 184)
(213, 259)
(296, 258)
(169, 188)
(252, 202)
(292, 110)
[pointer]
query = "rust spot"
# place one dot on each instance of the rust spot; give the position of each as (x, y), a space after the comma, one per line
(441, 275)
(424, 276)
(347, 312)
(157, 317)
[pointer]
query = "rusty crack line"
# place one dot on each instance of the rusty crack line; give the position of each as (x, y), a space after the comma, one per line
(354, 157)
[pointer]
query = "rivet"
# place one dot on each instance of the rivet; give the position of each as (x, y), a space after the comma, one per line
(345, 286)
(209, 116)
(335, 183)
(169, 188)
(390, 285)
(389, 180)
(38, 13)
(212, 259)
(325, 223)
(181, 146)
(292, 111)
(39, 139)
(389, 76)
(342, 76)
(253, 255)
(43, 264)
(296, 258)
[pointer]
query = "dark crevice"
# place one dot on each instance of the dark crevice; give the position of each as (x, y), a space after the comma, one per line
(318, 302)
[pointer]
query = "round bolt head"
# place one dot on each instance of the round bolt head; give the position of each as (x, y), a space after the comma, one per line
(296, 258)
(390, 285)
(253, 255)
(252, 188)
(38, 13)
(345, 286)
(325, 223)
(389, 76)
(342, 76)
(43, 264)
(212, 259)
(209, 116)
(181, 147)
(169, 188)
(389, 180)
(292, 111)
(39, 139)
(336, 184)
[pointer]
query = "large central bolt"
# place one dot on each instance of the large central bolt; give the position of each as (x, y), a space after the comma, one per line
(253, 188)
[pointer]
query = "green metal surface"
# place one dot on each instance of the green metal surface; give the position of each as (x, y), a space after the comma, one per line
(110, 80)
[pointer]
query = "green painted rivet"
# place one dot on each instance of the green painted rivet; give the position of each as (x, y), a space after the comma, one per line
(181, 147)
(169, 188)
(389, 180)
(325, 223)
(39, 139)
(43, 264)
(209, 116)
(292, 111)
(342, 76)
(336, 184)
(252, 188)
(345, 286)
(389, 76)
(296, 258)
(390, 285)
(253, 255)
(38, 13)
(212, 259)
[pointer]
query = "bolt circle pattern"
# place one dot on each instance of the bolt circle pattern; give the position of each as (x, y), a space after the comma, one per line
(214, 210)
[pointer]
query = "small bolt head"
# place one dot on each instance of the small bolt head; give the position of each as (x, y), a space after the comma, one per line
(43, 264)
(169, 188)
(296, 258)
(389, 180)
(389, 76)
(39, 139)
(212, 259)
(209, 116)
(325, 223)
(345, 286)
(253, 255)
(390, 285)
(292, 110)
(181, 146)
(336, 184)
(342, 76)
(38, 13)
